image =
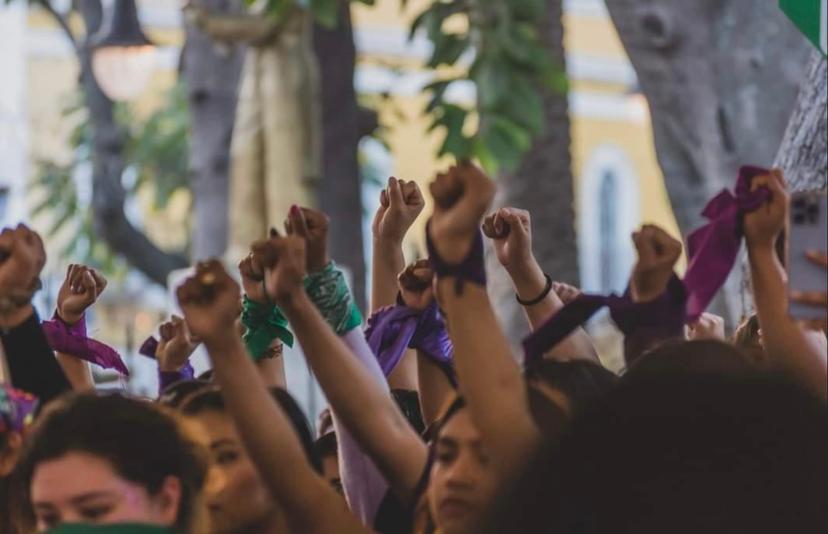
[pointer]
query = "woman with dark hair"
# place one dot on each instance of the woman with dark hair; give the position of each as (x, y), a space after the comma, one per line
(111, 460)
(235, 497)
(696, 439)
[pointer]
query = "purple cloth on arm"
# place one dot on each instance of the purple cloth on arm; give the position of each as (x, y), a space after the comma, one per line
(643, 324)
(165, 379)
(471, 269)
(16, 409)
(394, 329)
(713, 248)
(73, 341)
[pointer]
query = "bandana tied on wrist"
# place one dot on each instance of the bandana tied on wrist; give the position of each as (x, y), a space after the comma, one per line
(166, 378)
(73, 341)
(643, 324)
(264, 323)
(329, 291)
(713, 248)
(394, 329)
(472, 269)
(16, 409)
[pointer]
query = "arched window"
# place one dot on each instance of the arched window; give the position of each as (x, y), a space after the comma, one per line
(608, 213)
(607, 228)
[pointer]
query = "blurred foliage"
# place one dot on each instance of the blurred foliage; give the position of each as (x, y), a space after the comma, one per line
(502, 55)
(324, 11)
(156, 157)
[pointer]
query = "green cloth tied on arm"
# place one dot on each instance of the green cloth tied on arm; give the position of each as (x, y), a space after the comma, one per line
(330, 293)
(264, 323)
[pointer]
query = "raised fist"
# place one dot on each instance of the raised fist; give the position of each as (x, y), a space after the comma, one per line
(284, 262)
(210, 300)
(175, 346)
(81, 288)
(657, 257)
(22, 257)
(461, 198)
(400, 205)
(510, 230)
(252, 276)
(763, 226)
(416, 285)
(566, 292)
(312, 226)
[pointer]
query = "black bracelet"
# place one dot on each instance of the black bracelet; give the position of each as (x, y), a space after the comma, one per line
(541, 297)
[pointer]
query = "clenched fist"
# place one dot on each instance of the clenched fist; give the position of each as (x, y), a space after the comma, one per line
(657, 257)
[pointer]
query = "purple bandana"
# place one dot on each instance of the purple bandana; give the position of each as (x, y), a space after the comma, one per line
(166, 378)
(394, 329)
(643, 324)
(713, 248)
(471, 269)
(16, 409)
(73, 341)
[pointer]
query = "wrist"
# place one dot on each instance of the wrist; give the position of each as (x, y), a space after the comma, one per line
(387, 243)
(170, 367)
(528, 279)
(70, 319)
(293, 300)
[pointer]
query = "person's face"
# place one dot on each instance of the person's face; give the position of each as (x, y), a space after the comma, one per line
(81, 488)
(462, 484)
(235, 496)
(330, 470)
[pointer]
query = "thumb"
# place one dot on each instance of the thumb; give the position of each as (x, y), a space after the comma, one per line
(298, 221)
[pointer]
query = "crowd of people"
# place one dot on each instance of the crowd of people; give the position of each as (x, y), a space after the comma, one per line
(434, 424)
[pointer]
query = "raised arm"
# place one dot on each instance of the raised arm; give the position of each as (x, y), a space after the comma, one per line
(510, 230)
(349, 374)
(489, 377)
(210, 304)
(80, 290)
(788, 346)
(31, 362)
(400, 205)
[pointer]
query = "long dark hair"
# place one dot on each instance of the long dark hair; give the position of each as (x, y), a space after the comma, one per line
(143, 443)
(210, 399)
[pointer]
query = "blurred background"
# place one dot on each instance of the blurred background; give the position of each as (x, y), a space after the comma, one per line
(125, 125)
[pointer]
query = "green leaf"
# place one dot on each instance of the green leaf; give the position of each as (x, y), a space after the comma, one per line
(326, 12)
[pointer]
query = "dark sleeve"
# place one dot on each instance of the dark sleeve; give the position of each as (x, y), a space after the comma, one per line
(32, 364)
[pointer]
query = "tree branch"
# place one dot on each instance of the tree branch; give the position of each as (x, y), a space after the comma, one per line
(62, 22)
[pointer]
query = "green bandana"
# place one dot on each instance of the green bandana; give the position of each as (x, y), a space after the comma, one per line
(264, 323)
(125, 528)
(331, 295)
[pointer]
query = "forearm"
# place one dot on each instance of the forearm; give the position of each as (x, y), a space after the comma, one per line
(387, 263)
(789, 348)
(31, 362)
(309, 502)
(356, 388)
(272, 372)
(435, 389)
(77, 371)
(490, 378)
(530, 281)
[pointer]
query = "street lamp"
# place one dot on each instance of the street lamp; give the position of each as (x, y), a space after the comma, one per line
(123, 58)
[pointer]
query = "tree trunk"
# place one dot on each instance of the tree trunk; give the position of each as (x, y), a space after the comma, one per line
(212, 72)
(543, 184)
(721, 78)
(804, 151)
(340, 189)
(108, 194)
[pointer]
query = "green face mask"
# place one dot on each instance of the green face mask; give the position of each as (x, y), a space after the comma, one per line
(110, 529)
